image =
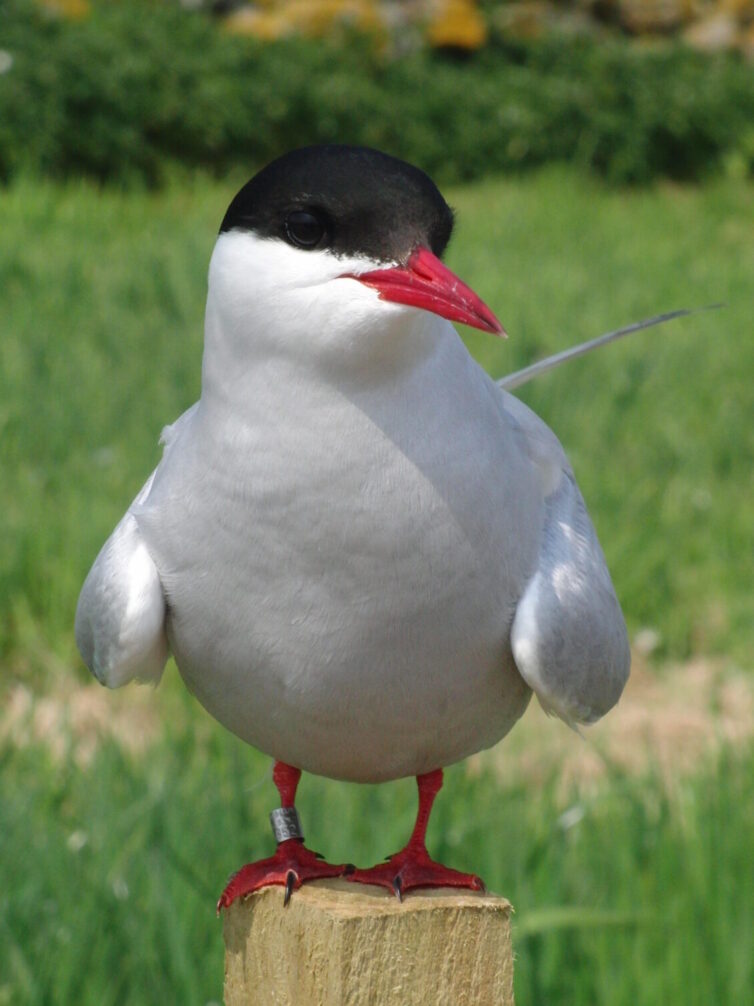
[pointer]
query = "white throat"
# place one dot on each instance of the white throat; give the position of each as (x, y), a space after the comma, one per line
(291, 313)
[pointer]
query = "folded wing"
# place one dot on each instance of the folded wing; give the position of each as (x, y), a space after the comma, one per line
(568, 637)
(120, 618)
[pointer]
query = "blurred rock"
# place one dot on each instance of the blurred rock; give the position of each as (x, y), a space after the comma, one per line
(526, 20)
(716, 33)
(531, 19)
(653, 16)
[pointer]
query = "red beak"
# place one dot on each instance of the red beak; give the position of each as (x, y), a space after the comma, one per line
(425, 282)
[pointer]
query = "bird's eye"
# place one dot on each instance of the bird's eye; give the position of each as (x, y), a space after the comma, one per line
(304, 229)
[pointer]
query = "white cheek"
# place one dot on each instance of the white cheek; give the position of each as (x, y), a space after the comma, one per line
(242, 262)
(265, 294)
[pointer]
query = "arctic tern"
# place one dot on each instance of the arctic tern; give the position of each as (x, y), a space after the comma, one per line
(363, 554)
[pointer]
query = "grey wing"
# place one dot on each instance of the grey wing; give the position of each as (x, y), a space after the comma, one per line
(120, 618)
(568, 637)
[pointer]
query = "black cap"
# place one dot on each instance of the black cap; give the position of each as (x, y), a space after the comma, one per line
(353, 201)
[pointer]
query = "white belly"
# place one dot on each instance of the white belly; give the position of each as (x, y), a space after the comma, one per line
(347, 607)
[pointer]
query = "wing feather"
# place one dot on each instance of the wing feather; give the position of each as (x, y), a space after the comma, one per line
(568, 637)
(120, 618)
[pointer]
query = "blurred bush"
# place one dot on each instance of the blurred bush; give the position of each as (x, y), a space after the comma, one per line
(135, 87)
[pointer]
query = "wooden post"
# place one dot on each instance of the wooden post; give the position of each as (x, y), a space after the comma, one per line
(341, 944)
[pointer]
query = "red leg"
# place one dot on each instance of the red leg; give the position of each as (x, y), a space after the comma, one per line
(292, 863)
(413, 867)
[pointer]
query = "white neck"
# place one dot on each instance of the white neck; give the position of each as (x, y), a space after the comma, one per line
(277, 314)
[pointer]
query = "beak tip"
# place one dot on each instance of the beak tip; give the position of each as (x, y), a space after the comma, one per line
(426, 283)
(495, 328)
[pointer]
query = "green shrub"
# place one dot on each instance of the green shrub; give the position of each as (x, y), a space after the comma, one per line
(137, 87)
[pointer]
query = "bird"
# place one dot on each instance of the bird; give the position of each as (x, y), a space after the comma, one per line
(363, 554)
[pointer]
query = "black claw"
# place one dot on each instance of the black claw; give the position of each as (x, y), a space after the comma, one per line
(317, 855)
(349, 868)
(388, 858)
(398, 887)
(290, 880)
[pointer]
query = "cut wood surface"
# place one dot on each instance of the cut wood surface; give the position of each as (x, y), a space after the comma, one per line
(341, 944)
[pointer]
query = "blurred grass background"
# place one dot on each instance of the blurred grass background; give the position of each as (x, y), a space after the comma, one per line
(121, 815)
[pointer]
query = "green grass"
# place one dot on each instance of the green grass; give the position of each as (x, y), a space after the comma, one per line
(108, 874)
(100, 346)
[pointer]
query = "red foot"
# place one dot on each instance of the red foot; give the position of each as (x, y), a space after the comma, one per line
(414, 868)
(291, 866)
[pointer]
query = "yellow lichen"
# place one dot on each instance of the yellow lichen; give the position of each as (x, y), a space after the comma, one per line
(311, 18)
(457, 24)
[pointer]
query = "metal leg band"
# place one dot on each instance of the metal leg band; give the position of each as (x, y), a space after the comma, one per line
(285, 824)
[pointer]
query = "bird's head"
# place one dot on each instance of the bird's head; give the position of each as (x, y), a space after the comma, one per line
(333, 253)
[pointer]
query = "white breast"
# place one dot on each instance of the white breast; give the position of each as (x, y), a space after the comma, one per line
(342, 567)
